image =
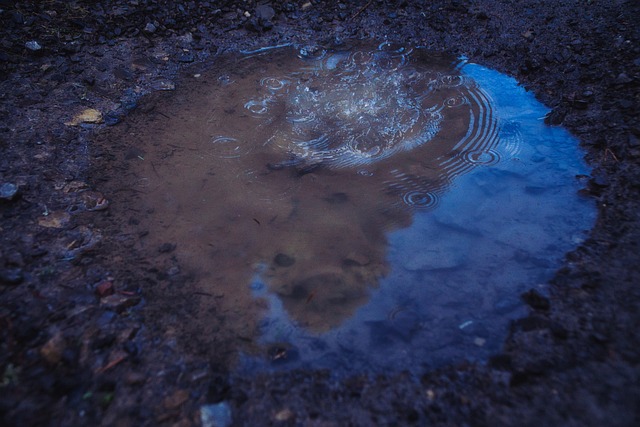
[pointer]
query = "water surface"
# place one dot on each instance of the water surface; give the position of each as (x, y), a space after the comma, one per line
(358, 207)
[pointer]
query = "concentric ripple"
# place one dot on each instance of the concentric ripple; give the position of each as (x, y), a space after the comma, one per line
(354, 107)
(420, 199)
(228, 147)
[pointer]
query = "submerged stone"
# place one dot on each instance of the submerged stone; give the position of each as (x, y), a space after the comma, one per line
(216, 415)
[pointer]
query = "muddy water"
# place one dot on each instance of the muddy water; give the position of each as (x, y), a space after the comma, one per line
(357, 207)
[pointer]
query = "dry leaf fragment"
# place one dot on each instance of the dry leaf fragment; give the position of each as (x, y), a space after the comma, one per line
(90, 115)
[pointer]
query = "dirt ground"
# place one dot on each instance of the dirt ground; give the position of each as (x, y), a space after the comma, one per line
(79, 347)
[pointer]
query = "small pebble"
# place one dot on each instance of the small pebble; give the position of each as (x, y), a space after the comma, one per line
(8, 191)
(283, 260)
(33, 46)
(217, 415)
(150, 28)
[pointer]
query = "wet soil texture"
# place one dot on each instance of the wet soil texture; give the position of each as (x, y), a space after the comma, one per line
(100, 303)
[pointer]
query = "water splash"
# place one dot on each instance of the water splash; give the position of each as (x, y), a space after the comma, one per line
(349, 108)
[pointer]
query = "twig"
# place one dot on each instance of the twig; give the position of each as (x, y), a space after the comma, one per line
(118, 359)
(362, 9)
(606, 154)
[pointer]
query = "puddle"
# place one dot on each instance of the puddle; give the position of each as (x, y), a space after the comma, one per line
(356, 208)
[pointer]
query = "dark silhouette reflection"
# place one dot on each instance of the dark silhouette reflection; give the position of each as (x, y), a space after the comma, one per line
(295, 163)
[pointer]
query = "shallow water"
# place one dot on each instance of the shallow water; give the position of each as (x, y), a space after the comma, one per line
(358, 207)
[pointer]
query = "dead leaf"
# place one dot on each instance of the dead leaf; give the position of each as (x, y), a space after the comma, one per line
(52, 350)
(90, 115)
(58, 219)
(105, 289)
(115, 358)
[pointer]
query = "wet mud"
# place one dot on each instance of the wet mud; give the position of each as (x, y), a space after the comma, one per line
(127, 288)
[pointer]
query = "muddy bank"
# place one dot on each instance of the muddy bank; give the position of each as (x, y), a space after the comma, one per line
(78, 345)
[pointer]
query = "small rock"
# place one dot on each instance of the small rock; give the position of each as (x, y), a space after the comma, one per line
(8, 191)
(218, 415)
(623, 78)
(166, 248)
(119, 302)
(283, 260)
(265, 12)
(431, 395)
(480, 342)
(33, 46)
(112, 118)
(587, 95)
(264, 15)
(52, 350)
(284, 415)
(150, 28)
